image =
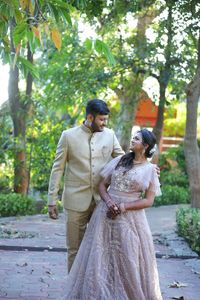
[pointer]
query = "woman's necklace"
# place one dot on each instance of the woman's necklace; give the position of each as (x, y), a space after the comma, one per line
(139, 161)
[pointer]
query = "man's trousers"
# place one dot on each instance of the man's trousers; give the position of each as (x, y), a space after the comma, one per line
(76, 223)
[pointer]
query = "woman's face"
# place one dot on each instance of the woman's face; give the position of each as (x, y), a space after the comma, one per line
(136, 143)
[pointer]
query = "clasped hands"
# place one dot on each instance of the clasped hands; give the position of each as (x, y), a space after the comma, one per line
(113, 209)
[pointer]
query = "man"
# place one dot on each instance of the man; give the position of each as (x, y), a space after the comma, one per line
(82, 152)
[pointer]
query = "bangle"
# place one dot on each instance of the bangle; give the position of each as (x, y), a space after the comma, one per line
(122, 207)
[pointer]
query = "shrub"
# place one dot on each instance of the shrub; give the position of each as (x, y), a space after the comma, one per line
(16, 205)
(5, 184)
(172, 194)
(174, 154)
(175, 177)
(174, 127)
(188, 224)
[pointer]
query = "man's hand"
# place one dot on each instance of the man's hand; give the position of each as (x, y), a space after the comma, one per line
(157, 170)
(53, 211)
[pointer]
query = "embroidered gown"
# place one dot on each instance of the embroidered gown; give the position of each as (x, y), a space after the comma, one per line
(116, 259)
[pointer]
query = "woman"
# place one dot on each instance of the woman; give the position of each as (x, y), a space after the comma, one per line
(116, 259)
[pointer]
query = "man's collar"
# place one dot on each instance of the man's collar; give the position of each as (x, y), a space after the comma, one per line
(85, 128)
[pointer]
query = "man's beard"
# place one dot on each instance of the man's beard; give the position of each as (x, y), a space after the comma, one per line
(95, 127)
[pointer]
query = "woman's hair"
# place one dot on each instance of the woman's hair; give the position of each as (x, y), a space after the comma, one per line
(148, 138)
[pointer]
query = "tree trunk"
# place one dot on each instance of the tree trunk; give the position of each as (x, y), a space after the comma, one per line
(157, 130)
(164, 76)
(19, 125)
(191, 149)
(131, 88)
(20, 172)
(125, 121)
(28, 106)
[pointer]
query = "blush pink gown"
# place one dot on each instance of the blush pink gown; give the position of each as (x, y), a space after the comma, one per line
(116, 259)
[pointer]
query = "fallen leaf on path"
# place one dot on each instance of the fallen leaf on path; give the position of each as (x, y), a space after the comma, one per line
(177, 284)
(48, 272)
(60, 234)
(42, 280)
(22, 265)
(195, 272)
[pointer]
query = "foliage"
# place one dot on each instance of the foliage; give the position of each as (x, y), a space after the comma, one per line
(42, 136)
(6, 152)
(188, 223)
(174, 127)
(36, 22)
(173, 178)
(79, 71)
(175, 117)
(6, 182)
(32, 21)
(6, 141)
(16, 205)
(169, 56)
(172, 194)
(73, 76)
(175, 154)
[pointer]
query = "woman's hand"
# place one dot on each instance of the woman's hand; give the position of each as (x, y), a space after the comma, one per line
(113, 207)
(110, 215)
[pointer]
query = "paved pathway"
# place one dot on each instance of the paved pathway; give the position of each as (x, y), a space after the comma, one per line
(39, 271)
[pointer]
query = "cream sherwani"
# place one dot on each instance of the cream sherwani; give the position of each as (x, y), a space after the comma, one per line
(82, 155)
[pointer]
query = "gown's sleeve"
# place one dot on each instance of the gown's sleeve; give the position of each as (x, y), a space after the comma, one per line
(154, 185)
(109, 167)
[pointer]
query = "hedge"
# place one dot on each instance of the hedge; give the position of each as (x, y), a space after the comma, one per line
(188, 224)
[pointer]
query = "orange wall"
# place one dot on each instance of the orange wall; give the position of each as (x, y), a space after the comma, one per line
(146, 113)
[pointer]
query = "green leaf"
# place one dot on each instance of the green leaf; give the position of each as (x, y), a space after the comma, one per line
(26, 66)
(19, 32)
(98, 46)
(59, 4)
(54, 12)
(88, 44)
(101, 47)
(32, 40)
(66, 16)
(18, 16)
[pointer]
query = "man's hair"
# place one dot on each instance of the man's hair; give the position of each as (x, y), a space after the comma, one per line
(97, 107)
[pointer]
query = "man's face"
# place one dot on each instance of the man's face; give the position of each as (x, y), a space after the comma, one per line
(99, 122)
